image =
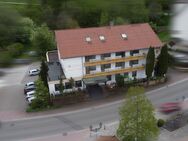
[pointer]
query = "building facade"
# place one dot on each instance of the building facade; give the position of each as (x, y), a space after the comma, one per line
(99, 55)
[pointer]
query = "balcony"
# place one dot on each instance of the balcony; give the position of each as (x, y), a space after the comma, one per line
(114, 60)
(116, 71)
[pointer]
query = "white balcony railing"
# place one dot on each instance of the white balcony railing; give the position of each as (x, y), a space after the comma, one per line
(108, 69)
(93, 72)
(107, 58)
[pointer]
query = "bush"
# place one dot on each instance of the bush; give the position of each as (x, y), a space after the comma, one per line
(5, 59)
(37, 104)
(120, 81)
(160, 123)
(15, 49)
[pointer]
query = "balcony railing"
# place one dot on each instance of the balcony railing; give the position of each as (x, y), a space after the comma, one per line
(116, 71)
(114, 60)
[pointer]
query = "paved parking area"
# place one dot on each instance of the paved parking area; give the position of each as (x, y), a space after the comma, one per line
(12, 98)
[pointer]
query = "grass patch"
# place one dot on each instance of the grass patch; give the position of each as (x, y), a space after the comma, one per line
(30, 110)
(164, 36)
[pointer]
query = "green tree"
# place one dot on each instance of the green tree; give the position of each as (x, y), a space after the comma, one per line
(43, 40)
(41, 96)
(25, 30)
(161, 67)
(150, 60)
(44, 73)
(135, 11)
(137, 117)
(119, 21)
(15, 49)
(104, 19)
(120, 80)
(9, 25)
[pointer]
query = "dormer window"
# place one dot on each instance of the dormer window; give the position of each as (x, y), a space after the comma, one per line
(88, 39)
(102, 38)
(124, 36)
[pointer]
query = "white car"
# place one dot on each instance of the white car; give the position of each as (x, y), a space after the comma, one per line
(30, 94)
(31, 99)
(34, 72)
(29, 84)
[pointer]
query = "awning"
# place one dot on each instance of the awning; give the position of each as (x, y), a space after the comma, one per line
(95, 80)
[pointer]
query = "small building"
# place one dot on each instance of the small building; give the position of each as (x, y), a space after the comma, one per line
(98, 55)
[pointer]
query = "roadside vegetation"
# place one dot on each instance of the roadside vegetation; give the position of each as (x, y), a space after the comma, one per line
(137, 120)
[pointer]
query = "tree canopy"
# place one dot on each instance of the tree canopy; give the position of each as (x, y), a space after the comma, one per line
(43, 40)
(161, 67)
(137, 117)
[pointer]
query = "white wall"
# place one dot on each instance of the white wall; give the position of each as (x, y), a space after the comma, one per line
(73, 67)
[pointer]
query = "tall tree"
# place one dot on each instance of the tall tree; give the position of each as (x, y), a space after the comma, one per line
(43, 40)
(44, 73)
(136, 11)
(150, 60)
(161, 67)
(42, 95)
(137, 117)
(9, 24)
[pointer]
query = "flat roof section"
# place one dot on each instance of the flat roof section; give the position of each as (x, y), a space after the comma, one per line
(55, 71)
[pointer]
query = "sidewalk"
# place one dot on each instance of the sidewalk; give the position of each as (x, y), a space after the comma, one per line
(110, 130)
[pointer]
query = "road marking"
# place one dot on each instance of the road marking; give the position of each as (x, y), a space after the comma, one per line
(92, 107)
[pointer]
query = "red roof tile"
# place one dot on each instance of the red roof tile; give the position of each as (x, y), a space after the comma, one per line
(72, 42)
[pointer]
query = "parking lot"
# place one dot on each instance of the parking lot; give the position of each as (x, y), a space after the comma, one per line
(12, 98)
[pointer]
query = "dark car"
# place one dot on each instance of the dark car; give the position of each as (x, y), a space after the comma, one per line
(170, 107)
(29, 88)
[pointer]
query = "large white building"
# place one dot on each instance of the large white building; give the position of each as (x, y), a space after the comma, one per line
(98, 55)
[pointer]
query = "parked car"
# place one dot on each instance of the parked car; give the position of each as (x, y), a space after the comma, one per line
(31, 99)
(29, 88)
(170, 107)
(34, 72)
(30, 94)
(29, 84)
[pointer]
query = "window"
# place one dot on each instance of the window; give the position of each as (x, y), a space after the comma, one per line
(122, 54)
(120, 64)
(134, 74)
(87, 58)
(134, 52)
(109, 77)
(88, 39)
(57, 87)
(78, 83)
(102, 38)
(90, 68)
(105, 66)
(68, 85)
(124, 36)
(133, 62)
(105, 55)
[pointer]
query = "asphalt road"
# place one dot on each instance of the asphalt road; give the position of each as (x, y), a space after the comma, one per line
(25, 129)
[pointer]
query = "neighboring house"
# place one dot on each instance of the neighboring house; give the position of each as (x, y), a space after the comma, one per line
(98, 55)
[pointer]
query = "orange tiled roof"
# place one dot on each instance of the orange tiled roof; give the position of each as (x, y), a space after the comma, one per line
(72, 42)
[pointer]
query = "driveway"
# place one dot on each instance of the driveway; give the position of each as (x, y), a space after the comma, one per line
(12, 99)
